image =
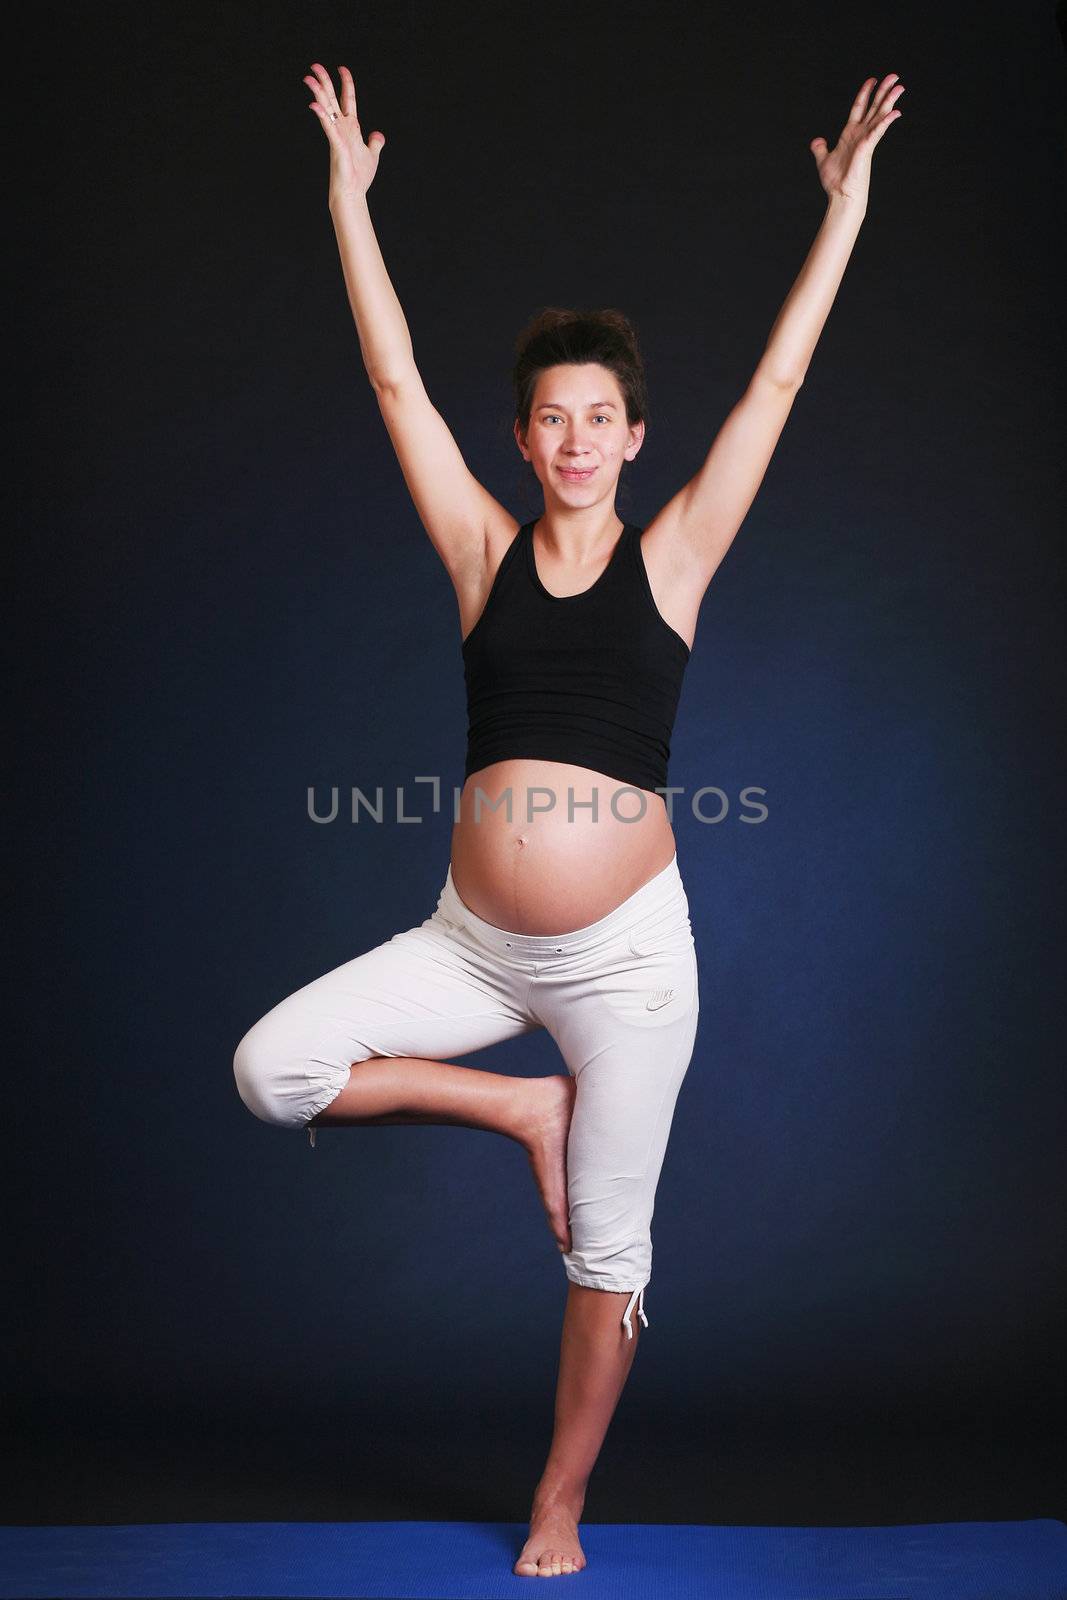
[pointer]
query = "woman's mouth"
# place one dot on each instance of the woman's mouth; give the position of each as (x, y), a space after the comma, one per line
(576, 475)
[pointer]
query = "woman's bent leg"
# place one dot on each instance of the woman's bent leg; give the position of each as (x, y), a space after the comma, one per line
(367, 1042)
(535, 1112)
(391, 1089)
(419, 997)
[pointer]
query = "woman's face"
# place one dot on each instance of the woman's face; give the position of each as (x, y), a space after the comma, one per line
(578, 436)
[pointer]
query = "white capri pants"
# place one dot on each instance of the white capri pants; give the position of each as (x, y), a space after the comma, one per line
(619, 997)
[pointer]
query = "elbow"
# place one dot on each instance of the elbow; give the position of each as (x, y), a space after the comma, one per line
(788, 381)
(391, 384)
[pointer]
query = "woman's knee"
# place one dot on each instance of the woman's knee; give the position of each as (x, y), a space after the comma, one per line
(278, 1081)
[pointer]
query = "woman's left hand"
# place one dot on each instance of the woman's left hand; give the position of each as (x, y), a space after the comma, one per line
(846, 169)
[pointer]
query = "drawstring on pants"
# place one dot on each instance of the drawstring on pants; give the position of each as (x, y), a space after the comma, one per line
(639, 1296)
(311, 1137)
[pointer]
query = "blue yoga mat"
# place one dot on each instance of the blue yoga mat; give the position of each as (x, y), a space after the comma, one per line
(456, 1560)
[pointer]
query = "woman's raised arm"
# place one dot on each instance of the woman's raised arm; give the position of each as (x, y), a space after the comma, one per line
(696, 528)
(455, 509)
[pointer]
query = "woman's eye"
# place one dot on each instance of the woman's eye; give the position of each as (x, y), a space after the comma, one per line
(554, 414)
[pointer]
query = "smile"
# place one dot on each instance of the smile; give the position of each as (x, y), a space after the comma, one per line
(577, 475)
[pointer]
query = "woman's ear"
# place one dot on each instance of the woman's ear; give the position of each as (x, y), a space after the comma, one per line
(637, 439)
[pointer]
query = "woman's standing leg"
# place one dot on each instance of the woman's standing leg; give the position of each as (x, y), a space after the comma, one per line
(594, 1364)
(627, 1033)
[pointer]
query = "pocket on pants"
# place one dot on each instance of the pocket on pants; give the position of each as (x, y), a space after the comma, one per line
(661, 932)
(655, 984)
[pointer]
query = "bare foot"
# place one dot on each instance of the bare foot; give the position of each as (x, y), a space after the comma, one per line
(546, 1147)
(553, 1547)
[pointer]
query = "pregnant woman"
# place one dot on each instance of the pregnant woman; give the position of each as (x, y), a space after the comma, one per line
(563, 906)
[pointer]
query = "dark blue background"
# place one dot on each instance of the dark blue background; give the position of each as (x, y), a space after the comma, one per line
(225, 596)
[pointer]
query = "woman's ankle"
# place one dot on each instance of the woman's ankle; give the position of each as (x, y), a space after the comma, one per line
(555, 1491)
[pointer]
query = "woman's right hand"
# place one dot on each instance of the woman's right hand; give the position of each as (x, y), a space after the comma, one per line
(352, 163)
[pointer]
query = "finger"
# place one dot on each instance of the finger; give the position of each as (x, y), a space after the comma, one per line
(327, 83)
(884, 88)
(890, 116)
(859, 105)
(348, 92)
(888, 113)
(322, 97)
(324, 115)
(328, 125)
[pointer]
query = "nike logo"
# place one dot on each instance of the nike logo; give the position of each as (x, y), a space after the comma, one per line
(660, 997)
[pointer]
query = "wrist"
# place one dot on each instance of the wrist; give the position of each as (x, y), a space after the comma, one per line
(845, 204)
(345, 194)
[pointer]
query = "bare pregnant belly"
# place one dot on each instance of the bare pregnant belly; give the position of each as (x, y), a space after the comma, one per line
(546, 866)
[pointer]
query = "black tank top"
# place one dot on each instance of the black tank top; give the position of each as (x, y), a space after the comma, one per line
(592, 678)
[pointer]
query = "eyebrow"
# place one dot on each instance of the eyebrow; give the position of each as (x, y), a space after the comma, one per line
(551, 405)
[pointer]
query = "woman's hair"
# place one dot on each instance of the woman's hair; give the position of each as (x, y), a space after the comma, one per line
(556, 336)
